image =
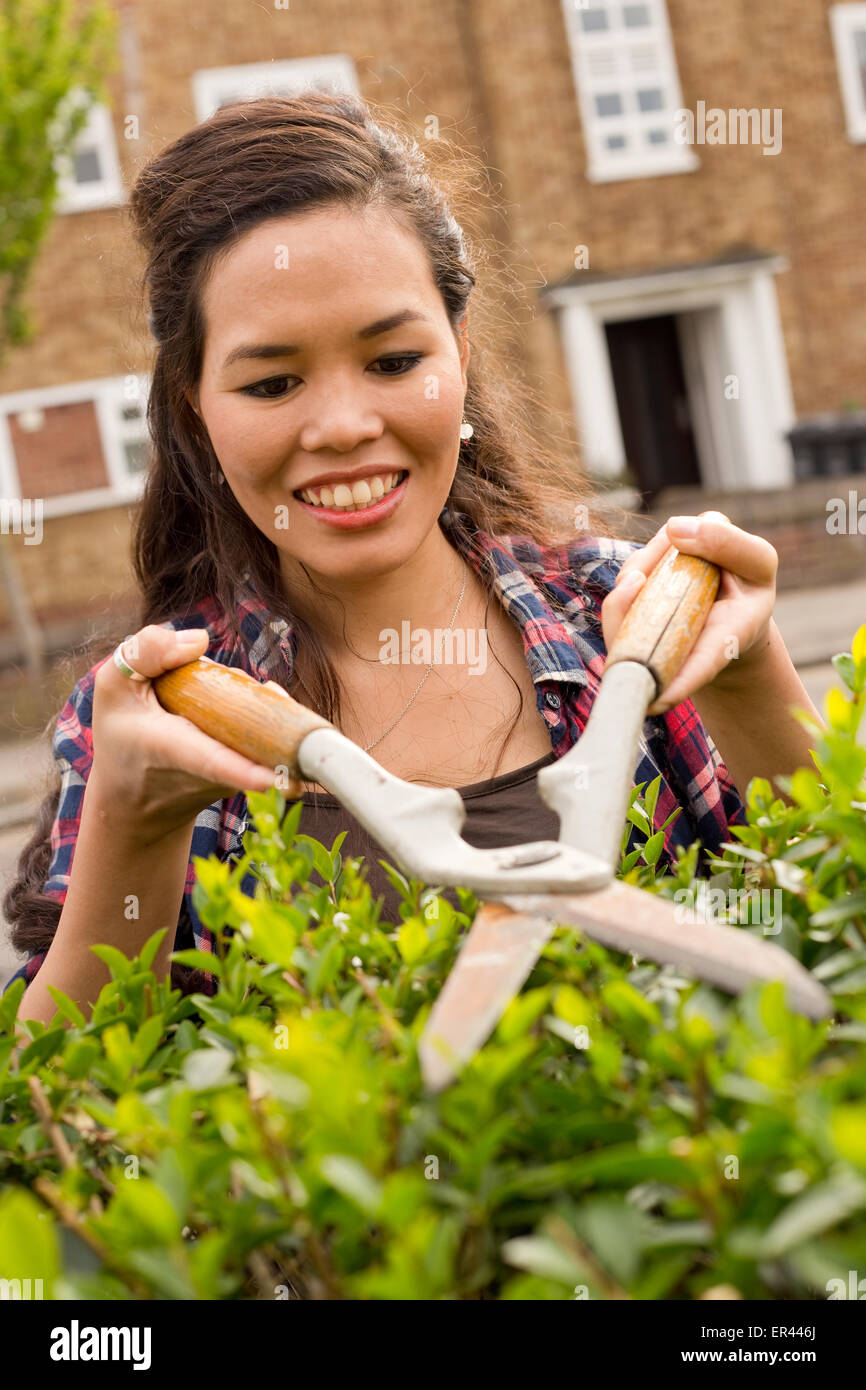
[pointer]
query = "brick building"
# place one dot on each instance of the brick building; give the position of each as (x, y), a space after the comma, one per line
(686, 197)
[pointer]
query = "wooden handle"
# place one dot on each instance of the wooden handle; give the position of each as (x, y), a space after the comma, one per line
(261, 722)
(666, 619)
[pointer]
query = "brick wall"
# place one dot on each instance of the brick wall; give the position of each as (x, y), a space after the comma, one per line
(496, 72)
(64, 455)
(80, 570)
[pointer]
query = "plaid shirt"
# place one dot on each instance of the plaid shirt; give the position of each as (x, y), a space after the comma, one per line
(553, 594)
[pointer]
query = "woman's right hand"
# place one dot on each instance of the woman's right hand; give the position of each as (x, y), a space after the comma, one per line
(157, 770)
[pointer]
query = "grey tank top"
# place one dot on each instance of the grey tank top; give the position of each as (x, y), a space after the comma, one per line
(500, 811)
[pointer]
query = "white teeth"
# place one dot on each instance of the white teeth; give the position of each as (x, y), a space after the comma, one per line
(355, 497)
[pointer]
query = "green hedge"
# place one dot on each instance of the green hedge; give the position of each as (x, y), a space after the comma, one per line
(626, 1133)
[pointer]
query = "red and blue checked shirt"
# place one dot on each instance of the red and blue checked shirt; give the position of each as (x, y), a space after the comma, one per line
(552, 593)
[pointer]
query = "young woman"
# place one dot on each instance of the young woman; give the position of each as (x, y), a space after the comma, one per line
(331, 463)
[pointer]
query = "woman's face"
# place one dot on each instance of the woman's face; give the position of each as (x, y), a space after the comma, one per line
(321, 384)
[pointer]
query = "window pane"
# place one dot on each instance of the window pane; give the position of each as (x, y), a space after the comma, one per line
(635, 15)
(609, 104)
(86, 168)
(616, 142)
(860, 50)
(137, 454)
(593, 20)
(651, 99)
(657, 137)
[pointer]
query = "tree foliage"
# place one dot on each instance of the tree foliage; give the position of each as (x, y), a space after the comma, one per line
(53, 57)
(625, 1134)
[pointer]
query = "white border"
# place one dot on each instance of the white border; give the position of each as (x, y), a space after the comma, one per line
(211, 85)
(106, 394)
(106, 192)
(748, 435)
(606, 167)
(844, 19)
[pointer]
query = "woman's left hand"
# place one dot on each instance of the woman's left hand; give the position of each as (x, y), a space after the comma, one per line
(738, 627)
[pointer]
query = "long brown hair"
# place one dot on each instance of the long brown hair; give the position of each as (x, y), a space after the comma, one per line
(274, 156)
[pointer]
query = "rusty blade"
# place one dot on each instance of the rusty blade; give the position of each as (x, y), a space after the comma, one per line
(500, 950)
(512, 932)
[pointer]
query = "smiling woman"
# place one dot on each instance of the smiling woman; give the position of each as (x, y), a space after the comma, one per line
(383, 469)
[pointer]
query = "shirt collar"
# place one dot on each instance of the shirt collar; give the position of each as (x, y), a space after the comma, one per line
(555, 644)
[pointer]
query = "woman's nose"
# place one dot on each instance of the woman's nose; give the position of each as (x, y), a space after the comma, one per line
(340, 416)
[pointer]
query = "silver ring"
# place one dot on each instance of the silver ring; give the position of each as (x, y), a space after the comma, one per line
(123, 665)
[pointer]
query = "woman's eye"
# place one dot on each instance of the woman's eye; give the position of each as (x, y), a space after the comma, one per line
(402, 363)
(271, 381)
(410, 357)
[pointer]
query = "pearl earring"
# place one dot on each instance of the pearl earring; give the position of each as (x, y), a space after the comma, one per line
(466, 430)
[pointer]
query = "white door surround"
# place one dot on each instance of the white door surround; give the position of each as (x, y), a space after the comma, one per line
(734, 358)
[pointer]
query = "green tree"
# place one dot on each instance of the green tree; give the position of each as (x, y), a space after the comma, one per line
(53, 56)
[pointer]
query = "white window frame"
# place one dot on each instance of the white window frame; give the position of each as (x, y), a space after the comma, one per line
(213, 86)
(844, 20)
(748, 448)
(604, 165)
(106, 192)
(107, 397)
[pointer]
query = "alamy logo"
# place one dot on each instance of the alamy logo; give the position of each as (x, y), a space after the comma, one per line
(75, 1343)
(738, 126)
(855, 1287)
(423, 646)
(22, 516)
(20, 1289)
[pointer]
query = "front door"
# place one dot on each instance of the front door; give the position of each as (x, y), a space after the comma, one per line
(653, 402)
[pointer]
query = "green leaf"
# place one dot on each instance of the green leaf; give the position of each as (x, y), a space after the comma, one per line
(200, 960)
(542, 1256)
(9, 1005)
(353, 1180)
(42, 1048)
(208, 1067)
(29, 1247)
(849, 905)
(147, 954)
(67, 1007)
(120, 966)
(817, 1210)
(412, 940)
(653, 848)
(848, 1132)
(322, 861)
(651, 796)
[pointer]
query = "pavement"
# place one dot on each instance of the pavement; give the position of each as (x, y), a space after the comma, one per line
(815, 624)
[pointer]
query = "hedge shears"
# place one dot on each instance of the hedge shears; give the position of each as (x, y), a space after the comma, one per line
(527, 889)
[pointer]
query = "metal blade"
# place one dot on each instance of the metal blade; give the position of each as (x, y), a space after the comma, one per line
(508, 936)
(502, 946)
(626, 918)
(590, 785)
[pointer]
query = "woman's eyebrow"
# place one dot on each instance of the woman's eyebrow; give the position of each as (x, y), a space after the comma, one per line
(246, 350)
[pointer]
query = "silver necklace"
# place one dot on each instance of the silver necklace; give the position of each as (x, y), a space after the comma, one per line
(423, 678)
(426, 673)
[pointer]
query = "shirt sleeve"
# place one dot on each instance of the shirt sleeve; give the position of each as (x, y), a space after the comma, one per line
(699, 773)
(683, 750)
(72, 748)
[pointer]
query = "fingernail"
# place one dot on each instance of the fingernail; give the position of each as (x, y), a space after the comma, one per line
(683, 526)
(632, 581)
(193, 634)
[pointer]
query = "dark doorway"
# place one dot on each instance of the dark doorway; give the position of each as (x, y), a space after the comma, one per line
(653, 403)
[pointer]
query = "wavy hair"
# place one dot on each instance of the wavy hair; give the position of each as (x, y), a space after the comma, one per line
(269, 157)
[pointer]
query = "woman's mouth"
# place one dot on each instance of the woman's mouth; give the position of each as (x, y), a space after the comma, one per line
(354, 505)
